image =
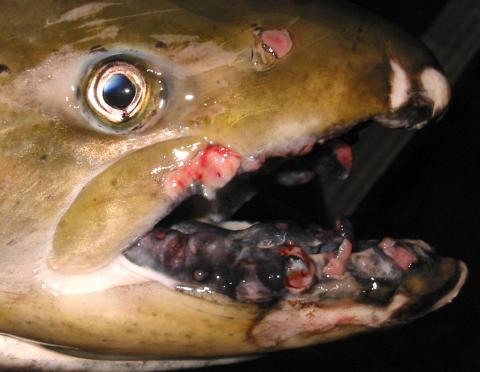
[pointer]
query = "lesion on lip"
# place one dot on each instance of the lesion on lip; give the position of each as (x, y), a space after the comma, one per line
(213, 168)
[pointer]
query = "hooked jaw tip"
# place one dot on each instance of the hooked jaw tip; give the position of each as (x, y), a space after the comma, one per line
(436, 88)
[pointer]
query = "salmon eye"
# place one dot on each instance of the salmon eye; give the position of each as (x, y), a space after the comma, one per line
(123, 93)
(117, 91)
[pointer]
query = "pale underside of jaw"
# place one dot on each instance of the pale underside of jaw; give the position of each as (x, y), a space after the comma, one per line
(19, 354)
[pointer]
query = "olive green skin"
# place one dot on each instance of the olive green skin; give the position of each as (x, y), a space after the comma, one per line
(59, 213)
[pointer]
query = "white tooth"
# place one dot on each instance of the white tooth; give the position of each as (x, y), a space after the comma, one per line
(400, 84)
(436, 88)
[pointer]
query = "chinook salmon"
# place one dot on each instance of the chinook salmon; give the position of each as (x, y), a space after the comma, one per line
(114, 116)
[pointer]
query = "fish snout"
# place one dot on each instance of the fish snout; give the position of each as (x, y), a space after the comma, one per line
(415, 98)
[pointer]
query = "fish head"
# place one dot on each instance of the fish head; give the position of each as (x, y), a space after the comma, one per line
(113, 114)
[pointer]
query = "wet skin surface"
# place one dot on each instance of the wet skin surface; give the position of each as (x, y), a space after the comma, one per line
(443, 159)
(106, 200)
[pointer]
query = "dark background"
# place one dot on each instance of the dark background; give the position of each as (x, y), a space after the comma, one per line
(429, 192)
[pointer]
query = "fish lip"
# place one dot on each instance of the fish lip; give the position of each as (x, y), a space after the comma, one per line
(451, 290)
(453, 293)
(422, 305)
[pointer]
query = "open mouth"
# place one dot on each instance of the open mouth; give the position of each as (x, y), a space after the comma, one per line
(216, 240)
(305, 284)
(202, 249)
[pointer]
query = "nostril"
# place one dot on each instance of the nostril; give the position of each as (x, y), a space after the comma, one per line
(436, 88)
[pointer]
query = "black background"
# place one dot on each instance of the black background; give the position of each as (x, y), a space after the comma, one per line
(430, 192)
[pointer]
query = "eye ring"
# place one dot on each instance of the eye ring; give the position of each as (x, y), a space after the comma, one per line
(124, 92)
(98, 83)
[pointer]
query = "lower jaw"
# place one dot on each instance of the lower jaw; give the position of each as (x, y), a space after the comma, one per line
(264, 263)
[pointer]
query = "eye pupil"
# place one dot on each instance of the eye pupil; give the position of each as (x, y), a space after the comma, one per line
(119, 91)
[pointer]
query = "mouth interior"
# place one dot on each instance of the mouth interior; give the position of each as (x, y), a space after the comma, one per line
(200, 248)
